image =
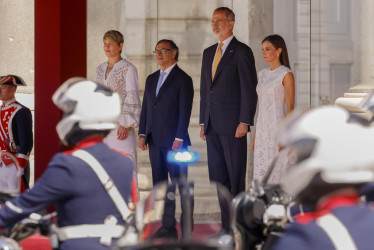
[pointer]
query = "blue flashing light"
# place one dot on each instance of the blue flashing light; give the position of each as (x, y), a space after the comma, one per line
(182, 156)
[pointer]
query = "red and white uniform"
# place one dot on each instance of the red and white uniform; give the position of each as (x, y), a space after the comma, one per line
(16, 131)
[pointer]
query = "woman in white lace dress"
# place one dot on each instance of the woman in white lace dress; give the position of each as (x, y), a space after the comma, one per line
(276, 91)
(121, 76)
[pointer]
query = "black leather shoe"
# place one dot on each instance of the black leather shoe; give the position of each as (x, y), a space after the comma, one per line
(166, 233)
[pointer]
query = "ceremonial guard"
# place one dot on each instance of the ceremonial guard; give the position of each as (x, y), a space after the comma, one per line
(16, 124)
(327, 178)
(89, 184)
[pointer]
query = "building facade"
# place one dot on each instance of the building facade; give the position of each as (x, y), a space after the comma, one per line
(328, 43)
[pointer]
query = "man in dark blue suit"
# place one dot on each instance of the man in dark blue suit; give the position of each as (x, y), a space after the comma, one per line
(164, 119)
(228, 104)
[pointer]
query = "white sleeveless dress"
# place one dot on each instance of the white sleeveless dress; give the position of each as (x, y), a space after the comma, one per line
(271, 112)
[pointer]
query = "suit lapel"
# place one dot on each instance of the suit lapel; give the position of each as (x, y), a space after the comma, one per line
(167, 82)
(226, 56)
(154, 85)
(211, 54)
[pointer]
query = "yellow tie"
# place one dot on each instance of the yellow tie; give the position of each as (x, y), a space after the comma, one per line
(217, 58)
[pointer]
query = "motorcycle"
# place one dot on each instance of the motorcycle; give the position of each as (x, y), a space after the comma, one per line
(193, 209)
(258, 217)
(181, 215)
(10, 182)
(260, 214)
(16, 236)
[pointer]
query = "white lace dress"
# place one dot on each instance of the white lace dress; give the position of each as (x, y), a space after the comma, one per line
(123, 79)
(271, 112)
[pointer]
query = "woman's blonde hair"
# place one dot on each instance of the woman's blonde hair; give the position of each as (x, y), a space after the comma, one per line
(114, 35)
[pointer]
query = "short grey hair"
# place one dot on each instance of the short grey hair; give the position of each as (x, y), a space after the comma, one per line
(230, 15)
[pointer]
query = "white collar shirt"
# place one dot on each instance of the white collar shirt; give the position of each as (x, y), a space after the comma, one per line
(167, 72)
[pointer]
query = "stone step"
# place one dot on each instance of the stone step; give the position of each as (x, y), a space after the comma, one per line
(199, 147)
(206, 210)
(143, 156)
(196, 173)
(143, 161)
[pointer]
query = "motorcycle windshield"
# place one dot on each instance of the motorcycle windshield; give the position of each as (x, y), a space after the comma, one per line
(187, 213)
(10, 173)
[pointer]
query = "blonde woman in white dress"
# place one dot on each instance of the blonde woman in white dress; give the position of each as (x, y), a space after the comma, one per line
(276, 98)
(121, 76)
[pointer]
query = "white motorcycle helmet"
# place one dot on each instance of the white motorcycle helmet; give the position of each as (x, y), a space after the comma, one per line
(333, 147)
(89, 108)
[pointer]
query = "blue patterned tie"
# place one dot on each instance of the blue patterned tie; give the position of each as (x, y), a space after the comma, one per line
(160, 82)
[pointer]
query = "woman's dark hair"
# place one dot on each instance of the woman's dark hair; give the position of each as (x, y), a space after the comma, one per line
(278, 42)
(173, 46)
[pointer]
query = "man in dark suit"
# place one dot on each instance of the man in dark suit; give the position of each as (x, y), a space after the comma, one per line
(164, 120)
(228, 104)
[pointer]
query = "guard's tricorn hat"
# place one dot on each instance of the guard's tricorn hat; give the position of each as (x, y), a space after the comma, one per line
(12, 80)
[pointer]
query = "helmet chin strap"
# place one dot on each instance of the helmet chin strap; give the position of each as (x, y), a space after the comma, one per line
(84, 135)
(78, 134)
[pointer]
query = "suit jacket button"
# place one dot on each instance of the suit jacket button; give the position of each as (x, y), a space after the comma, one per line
(211, 91)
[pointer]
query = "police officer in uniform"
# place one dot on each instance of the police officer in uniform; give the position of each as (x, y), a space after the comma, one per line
(335, 159)
(90, 214)
(16, 124)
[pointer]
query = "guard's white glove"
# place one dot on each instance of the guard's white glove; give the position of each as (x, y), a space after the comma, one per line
(275, 213)
(20, 172)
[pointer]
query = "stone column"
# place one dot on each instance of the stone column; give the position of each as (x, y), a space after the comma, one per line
(363, 59)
